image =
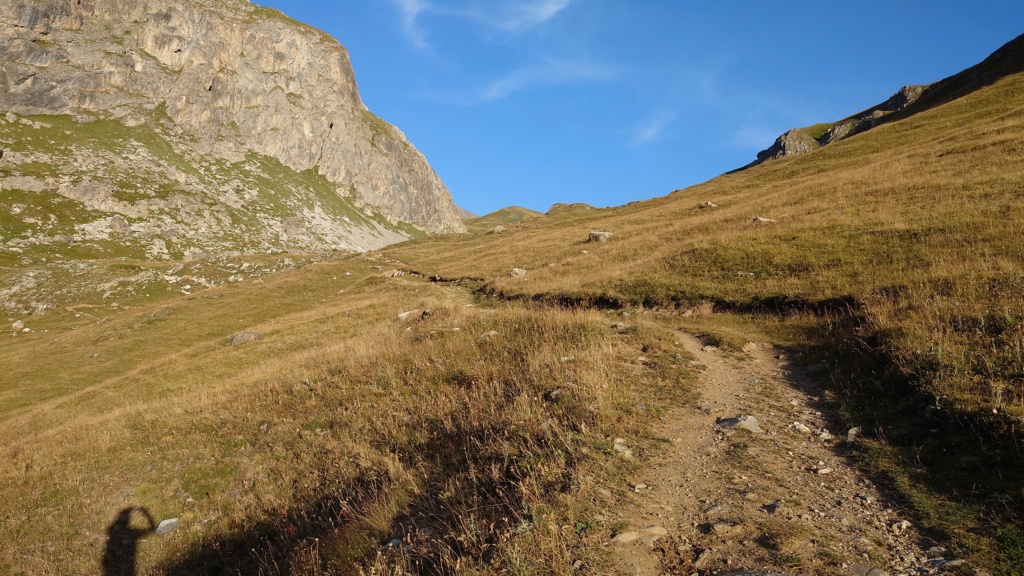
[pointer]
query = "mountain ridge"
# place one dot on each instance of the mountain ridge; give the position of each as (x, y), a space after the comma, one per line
(909, 100)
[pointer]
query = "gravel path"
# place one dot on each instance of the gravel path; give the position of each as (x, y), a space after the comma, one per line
(782, 500)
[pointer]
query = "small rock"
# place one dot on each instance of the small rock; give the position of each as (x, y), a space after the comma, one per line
(900, 527)
(816, 368)
(619, 446)
(639, 487)
(853, 434)
(702, 558)
(488, 336)
(709, 348)
(800, 427)
(760, 220)
(753, 380)
(723, 527)
(656, 531)
(567, 359)
(749, 347)
(244, 338)
(825, 436)
(626, 537)
(517, 272)
(599, 236)
(620, 326)
(745, 422)
(773, 507)
(18, 326)
(822, 471)
(409, 315)
(167, 526)
(640, 407)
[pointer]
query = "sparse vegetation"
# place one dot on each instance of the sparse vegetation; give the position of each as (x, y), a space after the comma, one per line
(347, 441)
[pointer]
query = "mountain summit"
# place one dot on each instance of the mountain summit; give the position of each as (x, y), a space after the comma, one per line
(197, 127)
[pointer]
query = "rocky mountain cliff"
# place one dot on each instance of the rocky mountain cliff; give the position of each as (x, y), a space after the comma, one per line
(804, 140)
(163, 130)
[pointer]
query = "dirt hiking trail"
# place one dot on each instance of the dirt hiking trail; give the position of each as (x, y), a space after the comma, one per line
(783, 499)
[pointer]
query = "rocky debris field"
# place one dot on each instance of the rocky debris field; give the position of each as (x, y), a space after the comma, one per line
(40, 287)
(755, 482)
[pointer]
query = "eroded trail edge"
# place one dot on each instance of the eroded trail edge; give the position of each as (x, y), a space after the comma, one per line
(782, 498)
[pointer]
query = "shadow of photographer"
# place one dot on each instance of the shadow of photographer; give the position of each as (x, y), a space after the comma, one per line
(119, 557)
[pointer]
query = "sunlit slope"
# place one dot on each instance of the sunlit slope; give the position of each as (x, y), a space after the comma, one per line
(343, 426)
(917, 223)
(503, 217)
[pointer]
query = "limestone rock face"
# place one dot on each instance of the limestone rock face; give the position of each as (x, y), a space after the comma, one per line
(221, 79)
(803, 140)
(791, 143)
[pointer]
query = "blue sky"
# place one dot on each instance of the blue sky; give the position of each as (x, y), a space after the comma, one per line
(531, 102)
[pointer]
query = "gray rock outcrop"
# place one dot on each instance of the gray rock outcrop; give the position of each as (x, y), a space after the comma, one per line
(803, 140)
(207, 86)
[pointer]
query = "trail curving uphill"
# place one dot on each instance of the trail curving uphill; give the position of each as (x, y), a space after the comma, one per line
(785, 501)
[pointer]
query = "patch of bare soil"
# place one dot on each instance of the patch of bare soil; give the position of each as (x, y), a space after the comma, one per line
(782, 500)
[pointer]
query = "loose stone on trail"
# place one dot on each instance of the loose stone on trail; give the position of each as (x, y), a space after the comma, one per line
(744, 422)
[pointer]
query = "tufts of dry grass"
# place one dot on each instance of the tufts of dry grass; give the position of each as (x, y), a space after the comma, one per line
(916, 224)
(345, 441)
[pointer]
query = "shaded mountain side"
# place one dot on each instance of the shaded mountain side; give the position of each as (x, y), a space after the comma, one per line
(909, 100)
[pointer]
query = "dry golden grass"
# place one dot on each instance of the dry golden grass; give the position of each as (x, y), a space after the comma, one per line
(918, 223)
(341, 429)
(345, 428)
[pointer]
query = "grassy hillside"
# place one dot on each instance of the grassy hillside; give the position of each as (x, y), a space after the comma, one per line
(503, 217)
(477, 434)
(342, 428)
(917, 225)
(188, 205)
(905, 246)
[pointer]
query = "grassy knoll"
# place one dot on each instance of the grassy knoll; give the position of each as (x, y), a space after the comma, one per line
(503, 217)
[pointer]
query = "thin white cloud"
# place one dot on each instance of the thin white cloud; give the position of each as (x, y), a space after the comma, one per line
(548, 73)
(520, 16)
(410, 11)
(509, 16)
(651, 129)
